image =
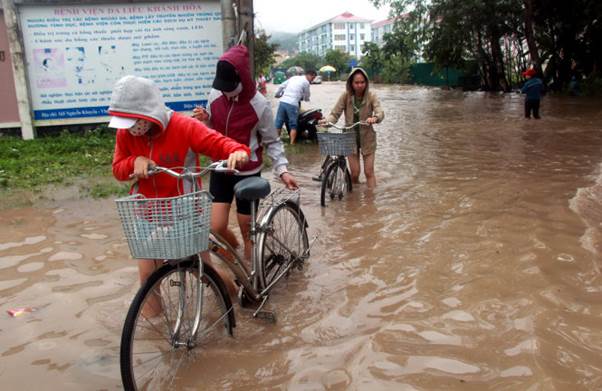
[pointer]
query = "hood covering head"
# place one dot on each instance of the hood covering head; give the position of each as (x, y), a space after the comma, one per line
(350, 80)
(238, 57)
(139, 98)
(529, 72)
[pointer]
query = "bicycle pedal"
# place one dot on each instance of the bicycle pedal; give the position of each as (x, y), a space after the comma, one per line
(266, 315)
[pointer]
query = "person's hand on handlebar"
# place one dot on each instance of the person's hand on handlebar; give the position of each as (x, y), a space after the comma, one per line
(237, 158)
(200, 113)
(289, 181)
(141, 167)
(371, 120)
(323, 122)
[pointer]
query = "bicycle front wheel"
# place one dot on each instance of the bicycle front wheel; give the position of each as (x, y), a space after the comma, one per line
(283, 243)
(336, 182)
(156, 343)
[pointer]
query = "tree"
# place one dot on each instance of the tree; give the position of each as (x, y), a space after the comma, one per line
(563, 35)
(304, 60)
(372, 60)
(264, 53)
(338, 59)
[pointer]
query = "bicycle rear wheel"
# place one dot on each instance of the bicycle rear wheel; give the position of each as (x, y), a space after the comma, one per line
(283, 242)
(152, 356)
(336, 182)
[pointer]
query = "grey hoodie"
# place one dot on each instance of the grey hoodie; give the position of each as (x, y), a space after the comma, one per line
(137, 97)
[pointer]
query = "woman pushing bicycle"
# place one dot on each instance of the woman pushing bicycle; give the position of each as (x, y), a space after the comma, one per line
(150, 134)
(359, 105)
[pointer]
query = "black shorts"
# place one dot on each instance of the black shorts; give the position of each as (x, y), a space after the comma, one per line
(221, 188)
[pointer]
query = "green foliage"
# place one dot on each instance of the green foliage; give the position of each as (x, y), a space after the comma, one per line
(53, 159)
(104, 190)
(396, 69)
(304, 60)
(264, 53)
(339, 60)
(493, 33)
(372, 60)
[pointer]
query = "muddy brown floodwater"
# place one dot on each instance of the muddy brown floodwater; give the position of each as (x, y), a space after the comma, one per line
(474, 265)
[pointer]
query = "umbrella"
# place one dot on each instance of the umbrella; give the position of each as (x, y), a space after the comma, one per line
(295, 70)
(327, 69)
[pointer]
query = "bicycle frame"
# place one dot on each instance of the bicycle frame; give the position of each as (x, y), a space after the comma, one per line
(249, 279)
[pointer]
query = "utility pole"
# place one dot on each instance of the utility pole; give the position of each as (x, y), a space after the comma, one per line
(237, 16)
(246, 23)
(229, 28)
(18, 61)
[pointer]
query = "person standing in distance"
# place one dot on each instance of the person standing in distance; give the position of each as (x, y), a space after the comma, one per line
(291, 93)
(533, 88)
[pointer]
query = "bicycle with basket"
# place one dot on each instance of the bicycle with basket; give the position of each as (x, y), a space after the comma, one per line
(194, 307)
(335, 175)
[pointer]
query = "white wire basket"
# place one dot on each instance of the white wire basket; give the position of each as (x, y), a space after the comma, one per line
(339, 144)
(166, 228)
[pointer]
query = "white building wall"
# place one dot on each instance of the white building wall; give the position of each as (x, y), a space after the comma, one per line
(348, 37)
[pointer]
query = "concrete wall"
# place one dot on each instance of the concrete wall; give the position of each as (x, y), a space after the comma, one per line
(9, 113)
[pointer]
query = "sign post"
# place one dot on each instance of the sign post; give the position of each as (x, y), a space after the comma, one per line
(18, 61)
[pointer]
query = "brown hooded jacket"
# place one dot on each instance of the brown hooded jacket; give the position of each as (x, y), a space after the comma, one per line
(370, 108)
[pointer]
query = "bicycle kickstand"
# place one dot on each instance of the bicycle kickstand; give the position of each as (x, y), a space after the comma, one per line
(270, 316)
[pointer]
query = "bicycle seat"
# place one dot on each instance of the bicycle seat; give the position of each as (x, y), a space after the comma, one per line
(252, 188)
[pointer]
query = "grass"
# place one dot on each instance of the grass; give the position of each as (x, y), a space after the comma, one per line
(80, 160)
(29, 165)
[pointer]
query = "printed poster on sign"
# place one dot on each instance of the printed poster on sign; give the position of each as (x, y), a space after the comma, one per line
(75, 53)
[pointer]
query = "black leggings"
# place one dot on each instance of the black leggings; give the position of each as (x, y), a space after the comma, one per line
(532, 105)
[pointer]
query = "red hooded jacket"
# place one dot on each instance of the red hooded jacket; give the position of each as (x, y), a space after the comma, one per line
(247, 118)
(174, 142)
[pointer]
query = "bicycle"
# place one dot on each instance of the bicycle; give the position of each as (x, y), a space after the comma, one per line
(335, 175)
(193, 298)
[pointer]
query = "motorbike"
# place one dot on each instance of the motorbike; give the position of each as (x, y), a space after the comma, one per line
(307, 121)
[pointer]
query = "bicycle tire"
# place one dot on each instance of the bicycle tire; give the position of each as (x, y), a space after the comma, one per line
(283, 224)
(141, 334)
(336, 182)
(348, 179)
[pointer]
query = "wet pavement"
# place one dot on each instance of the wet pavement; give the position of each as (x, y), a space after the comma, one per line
(475, 264)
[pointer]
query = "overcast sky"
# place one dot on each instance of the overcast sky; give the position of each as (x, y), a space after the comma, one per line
(293, 16)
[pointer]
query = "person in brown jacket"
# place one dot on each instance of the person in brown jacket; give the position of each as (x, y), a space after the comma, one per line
(359, 104)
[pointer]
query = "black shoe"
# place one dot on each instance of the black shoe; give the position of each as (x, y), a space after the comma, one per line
(317, 178)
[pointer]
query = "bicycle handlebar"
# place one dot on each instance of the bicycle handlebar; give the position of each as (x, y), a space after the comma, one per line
(219, 166)
(344, 128)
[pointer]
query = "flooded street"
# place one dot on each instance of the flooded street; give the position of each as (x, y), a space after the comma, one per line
(474, 265)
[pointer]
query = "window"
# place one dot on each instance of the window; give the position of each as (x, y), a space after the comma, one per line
(342, 48)
(362, 37)
(352, 48)
(339, 26)
(361, 25)
(339, 37)
(351, 37)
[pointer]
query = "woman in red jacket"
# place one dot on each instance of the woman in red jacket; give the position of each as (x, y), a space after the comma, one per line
(149, 134)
